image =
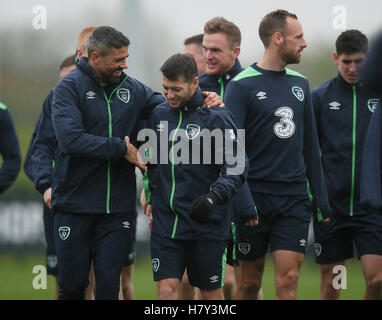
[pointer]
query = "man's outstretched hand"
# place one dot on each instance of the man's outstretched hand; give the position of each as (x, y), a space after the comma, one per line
(132, 155)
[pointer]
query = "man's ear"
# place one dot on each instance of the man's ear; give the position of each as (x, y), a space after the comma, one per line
(195, 82)
(236, 51)
(95, 57)
(335, 58)
(277, 38)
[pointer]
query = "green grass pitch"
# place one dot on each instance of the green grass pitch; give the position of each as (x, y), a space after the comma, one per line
(16, 279)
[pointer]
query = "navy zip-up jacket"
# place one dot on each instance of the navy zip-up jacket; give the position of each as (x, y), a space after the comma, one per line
(39, 161)
(243, 203)
(174, 186)
(281, 141)
(342, 113)
(90, 122)
(28, 164)
(9, 150)
(371, 190)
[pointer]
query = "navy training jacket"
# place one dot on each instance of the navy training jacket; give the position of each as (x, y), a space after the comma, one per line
(174, 186)
(90, 122)
(243, 203)
(281, 142)
(342, 113)
(40, 159)
(9, 150)
(371, 189)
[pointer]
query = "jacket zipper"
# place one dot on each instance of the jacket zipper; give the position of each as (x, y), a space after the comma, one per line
(108, 100)
(354, 150)
(173, 176)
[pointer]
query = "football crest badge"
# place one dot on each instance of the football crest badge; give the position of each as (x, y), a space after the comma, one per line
(298, 93)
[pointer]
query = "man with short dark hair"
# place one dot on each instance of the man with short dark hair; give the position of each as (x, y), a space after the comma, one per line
(343, 108)
(96, 115)
(95, 112)
(67, 65)
(272, 103)
(190, 199)
(38, 166)
(193, 46)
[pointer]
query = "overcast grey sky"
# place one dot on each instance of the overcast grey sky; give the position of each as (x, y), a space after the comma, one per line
(157, 28)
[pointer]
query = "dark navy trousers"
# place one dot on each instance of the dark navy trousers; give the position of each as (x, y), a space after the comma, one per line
(83, 238)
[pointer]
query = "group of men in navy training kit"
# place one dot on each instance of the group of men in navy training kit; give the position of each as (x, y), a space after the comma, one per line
(236, 162)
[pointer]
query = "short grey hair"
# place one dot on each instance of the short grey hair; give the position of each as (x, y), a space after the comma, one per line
(105, 38)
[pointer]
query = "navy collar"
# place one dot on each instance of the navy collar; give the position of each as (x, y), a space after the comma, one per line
(269, 72)
(226, 77)
(345, 85)
(236, 69)
(195, 101)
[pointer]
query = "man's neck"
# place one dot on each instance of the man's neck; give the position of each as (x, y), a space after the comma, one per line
(225, 71)
(271, 61)
(228, 69)
(91, 64)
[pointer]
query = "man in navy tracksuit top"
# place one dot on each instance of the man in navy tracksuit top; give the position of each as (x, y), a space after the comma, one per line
(190, 198)
(9, 150)
(221, 44)
(38, 166)
(95, 110)
(273, 104)
(343, 108)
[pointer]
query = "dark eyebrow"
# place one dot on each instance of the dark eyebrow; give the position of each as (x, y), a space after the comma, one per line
(347, 61)
(213, 48)
(123, 58)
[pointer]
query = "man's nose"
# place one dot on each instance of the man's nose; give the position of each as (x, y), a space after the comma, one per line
(207, 54)
(353, 67)
(124, 65)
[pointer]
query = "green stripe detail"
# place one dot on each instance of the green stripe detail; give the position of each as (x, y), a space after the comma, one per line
(354, 150)
(173, 175)
(53, 163)
(233, 232)
(224, 262)
(145, 184)
(220, 80)
(319, 215)
(3, 106)
(294, 73)
(249, 72)
(110, 135)
(310, 195)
